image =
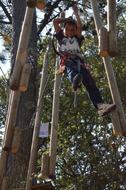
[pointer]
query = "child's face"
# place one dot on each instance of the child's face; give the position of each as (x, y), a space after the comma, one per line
(70, 30)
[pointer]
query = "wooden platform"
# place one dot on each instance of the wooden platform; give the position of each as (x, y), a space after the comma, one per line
(43, 186)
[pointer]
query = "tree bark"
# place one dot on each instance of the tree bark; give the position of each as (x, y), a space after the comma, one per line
(18, 163)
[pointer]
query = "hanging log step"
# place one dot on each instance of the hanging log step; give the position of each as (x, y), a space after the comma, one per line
(25, 75)
(44, 186)
(103, 42)
(4, 155)
(16, 140)
(21, 56)
(117, 128)
(44, 166)
(5, 183)
(112, 28)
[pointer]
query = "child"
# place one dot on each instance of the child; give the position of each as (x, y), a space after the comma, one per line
(69, 47)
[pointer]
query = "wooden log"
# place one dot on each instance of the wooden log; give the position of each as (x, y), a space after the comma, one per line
(34, 146)
(4, 156)
(16, 140)
(54, 123)
(25, 75)
(8, 114)
(15, 77)
(31, 3)
(115, 94)
(9, 129)
(111, 20)
(5, 183)
(120, 117)
(22, 49)
(44, 166)
(11, 120)
(103, 42)
(117, 128)
(55, 118)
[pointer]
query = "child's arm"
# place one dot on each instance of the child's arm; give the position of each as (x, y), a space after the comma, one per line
(79, 26)
(57, 23)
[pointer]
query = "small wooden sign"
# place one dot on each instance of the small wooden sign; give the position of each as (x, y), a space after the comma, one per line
(44, 130)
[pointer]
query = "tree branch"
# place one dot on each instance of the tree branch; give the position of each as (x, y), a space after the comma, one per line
(47, 16)
(6, 13)
(4, 22)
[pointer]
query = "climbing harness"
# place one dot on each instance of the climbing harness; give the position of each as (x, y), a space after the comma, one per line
(63, 59)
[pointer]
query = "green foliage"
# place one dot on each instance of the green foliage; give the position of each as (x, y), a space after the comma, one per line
(88, 154)
(3, 98)
(3, 106)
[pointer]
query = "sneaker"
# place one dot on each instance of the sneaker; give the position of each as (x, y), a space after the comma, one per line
(104, 109)
(77, 82)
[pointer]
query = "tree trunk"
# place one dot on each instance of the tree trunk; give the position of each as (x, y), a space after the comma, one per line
(18, 163)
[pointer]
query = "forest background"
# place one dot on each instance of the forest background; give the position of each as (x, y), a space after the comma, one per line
(89, 156)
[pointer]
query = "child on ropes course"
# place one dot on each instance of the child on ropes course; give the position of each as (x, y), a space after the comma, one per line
(69, 41)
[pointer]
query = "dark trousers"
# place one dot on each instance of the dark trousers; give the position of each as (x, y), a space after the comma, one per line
(75, 66)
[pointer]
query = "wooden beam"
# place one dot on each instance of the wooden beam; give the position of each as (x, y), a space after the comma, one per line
(103, 42)
(21, 56)
(55, 117)
(9, 130)
(115, 96)
(16, 140)
(11, 119)
(25, 75)
(34, 146)
(118, 117)
(3, 159)
(5, 184)
(54, 123)
(44, 166)
(111, 20)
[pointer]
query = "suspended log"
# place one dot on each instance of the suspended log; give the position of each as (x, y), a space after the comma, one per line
(44, 166)
(22, 49)
(34, 146)
(111, 19)
(103, 42)
(5, 183)
(31, 3)
(25, 75)
(11, 120)
(9, 129)
(120, 122)
(4, 155)
(44, 186)
(16, 140)
(54, 123)
(115, 96)
(117, 129)
(55, 118)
